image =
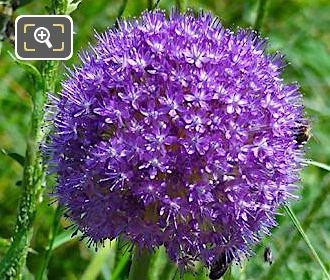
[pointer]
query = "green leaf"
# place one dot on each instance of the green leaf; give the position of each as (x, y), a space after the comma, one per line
(31, 69)
(72, 6)
(64, 237)
(15, 156)
(298, 226)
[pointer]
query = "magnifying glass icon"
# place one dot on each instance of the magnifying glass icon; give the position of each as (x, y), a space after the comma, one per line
(41, 35)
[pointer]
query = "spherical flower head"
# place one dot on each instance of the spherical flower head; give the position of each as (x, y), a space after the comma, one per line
(177, 132)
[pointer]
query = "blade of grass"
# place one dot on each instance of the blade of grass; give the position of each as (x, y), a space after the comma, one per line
(95, 266)
(298, 226)
(140, 264)
(52, 235)
(284, 255)
(108, 266)
(318, 164)
(157, 264)
(121, 265)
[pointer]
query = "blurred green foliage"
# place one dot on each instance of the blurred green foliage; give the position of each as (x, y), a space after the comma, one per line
(299, 28)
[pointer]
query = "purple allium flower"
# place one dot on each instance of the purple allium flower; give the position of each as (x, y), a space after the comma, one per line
(177, 132)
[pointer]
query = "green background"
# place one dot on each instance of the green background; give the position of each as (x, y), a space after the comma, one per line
(300, 29)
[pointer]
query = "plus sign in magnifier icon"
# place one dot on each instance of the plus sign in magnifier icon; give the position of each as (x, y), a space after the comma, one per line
(41, 35)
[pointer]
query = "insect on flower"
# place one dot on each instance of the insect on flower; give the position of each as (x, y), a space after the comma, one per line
(268, 255)
(303, 134)
(219, 268)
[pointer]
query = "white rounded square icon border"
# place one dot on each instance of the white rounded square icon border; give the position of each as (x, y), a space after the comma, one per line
(44, 58)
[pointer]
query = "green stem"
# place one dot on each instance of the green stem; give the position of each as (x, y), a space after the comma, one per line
(292, 243)
(52, 236)
(140, 264)
(261, 13)
(306, 239)
(13, 262)
(318, 164)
